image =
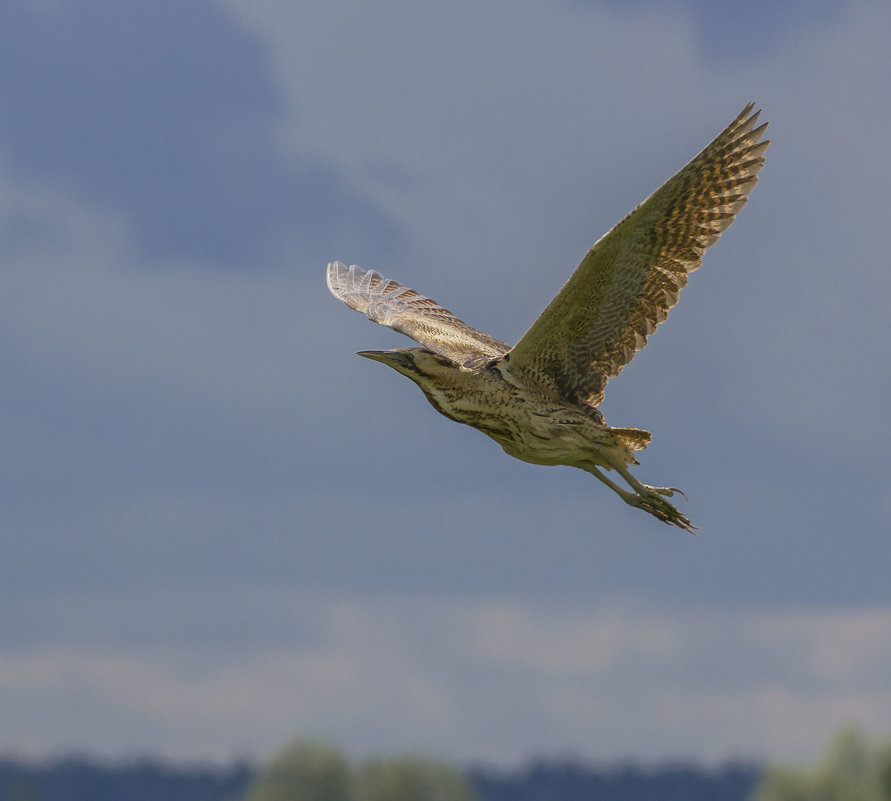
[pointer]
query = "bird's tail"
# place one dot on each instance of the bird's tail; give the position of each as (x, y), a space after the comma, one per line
(634, 438)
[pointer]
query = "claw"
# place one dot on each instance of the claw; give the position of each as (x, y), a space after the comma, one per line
(651, 500)
(668, 492)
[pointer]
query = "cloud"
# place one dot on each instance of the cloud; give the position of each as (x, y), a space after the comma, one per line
(165, 115)
(388, 672)
(218, 402)
(207, 493)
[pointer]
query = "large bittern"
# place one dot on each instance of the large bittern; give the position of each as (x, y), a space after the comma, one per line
(539, 399)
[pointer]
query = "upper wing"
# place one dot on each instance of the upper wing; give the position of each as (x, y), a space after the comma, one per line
(632, 275)
(424, 320)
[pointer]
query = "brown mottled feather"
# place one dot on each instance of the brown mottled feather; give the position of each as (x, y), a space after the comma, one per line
(631, 277)
(389, 303)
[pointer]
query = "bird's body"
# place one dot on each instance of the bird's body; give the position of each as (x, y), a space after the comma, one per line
(539, 399)
(528, 421)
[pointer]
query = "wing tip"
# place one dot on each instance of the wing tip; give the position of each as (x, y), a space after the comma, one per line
(745, 121)
(334, 276)
(341, 278)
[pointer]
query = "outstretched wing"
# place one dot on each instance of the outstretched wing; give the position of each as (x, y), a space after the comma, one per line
(631, 277)
(404, 310)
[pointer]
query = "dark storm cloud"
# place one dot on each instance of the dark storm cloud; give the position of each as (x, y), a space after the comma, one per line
(165, 113)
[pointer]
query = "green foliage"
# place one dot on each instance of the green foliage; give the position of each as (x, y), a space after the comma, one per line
(306, 771)
(410, 779)
(851, 770)
(303, 771)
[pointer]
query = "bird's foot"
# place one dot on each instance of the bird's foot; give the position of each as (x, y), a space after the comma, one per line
(652, 500)
(643, 496)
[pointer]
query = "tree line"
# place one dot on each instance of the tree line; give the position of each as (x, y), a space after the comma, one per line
(853, 768)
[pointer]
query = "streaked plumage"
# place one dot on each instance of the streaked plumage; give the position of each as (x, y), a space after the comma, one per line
(538, 399)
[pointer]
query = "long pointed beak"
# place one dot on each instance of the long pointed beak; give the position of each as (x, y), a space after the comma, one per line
(400, 359)
(385, 356)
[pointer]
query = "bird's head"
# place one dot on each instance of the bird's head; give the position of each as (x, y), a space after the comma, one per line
(413, 362)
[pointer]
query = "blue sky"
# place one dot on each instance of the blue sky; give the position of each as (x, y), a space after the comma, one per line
(222, 529)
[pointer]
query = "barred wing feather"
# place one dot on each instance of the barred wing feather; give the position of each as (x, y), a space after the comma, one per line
(631, 277)
(389, 303)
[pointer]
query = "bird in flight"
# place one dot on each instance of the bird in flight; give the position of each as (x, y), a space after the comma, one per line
(539, 398)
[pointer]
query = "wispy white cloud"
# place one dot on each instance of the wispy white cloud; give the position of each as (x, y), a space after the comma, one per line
(473, 679)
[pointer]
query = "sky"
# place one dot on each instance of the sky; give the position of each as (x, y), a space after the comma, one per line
(221, 529)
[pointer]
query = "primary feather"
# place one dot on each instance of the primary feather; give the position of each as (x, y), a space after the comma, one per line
(389, 303)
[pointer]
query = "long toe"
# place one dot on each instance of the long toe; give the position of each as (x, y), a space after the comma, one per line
(654, 503)
(675, 518)
(652, 500)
